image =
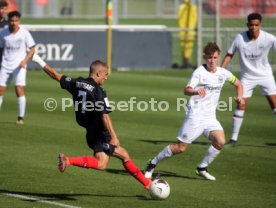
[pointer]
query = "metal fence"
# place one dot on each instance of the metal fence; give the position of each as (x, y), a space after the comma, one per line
(96, 8)
(219, 20)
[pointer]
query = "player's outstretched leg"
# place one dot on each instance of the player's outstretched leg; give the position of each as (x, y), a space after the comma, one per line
(149, 169)
(81, 161)
(136, 173)
(236, 126)
(209, 157)
(151, 165)
(203, 172)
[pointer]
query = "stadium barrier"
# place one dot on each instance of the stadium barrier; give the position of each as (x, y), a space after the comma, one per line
(75, 47)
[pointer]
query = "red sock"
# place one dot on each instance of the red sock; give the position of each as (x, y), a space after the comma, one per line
(84, 161)
(135, 172)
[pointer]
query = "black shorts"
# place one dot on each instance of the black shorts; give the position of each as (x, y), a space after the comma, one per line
(98, 141)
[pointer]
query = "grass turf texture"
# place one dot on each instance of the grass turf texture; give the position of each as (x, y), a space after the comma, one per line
(245, 174)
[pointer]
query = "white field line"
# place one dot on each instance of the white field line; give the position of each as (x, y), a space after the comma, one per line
(39, 200)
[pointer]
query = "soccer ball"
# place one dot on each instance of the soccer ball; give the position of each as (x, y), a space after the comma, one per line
(159, 189)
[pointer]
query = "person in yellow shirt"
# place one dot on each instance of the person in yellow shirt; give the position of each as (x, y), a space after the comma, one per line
(187, 21)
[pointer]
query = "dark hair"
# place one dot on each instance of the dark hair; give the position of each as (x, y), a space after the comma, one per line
(254, 16)
(211, 48)
(94, 66)
(14, 13)
(3, 3)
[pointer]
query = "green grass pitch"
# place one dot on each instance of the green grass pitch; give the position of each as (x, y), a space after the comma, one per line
(246, 174)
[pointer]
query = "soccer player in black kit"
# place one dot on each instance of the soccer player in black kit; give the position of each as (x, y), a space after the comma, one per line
(3, 13)
(92, 112)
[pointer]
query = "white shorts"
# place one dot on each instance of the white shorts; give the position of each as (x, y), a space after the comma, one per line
(267, 85)
(18, 76)
(191, 129)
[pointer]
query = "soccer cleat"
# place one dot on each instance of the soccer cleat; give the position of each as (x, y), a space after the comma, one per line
(62, 160)
(231, 143)
(154, 177)
(204, 173)
(149, 169)
(20, 121)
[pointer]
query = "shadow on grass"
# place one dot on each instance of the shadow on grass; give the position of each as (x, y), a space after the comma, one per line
(171, 142)
(49, 196)
(207, 143)
(271, 144)
(9, 123)
(166, 174)
(30, 196)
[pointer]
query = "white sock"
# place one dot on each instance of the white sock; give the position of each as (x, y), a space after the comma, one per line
(1, 101)
(236, 123)
(211, 154)
(21, 101)
(164, 154)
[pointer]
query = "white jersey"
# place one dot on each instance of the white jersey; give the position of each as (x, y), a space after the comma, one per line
(15, 47)
(253, 54)
(202, 108)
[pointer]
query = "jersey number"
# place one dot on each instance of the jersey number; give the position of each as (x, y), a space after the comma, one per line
(83, 100)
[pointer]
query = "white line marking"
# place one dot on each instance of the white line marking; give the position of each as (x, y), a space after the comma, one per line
(39, 200)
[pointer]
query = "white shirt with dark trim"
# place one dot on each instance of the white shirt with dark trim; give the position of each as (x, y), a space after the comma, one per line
(15, 47)
(202, 108)
(253, 54)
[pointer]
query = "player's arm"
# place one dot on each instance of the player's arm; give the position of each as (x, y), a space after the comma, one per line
(47, 69)
(190, 91)
(109, 127)
(239, 89)
(29, 55)
(227, 59)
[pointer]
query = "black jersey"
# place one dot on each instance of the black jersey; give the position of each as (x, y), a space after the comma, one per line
(90, 101)
(4, 23)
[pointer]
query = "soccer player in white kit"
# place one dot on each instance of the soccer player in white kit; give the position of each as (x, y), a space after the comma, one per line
(17, 47)
(204, 89)
(253, 47)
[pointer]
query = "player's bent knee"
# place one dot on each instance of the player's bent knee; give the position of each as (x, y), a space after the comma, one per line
(219, 145)
(102, 166)
(121, 153)
(241, 107)
(2, 90)
(179, 148)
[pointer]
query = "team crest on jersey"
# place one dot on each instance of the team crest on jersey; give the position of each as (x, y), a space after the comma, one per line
(261, 47)
(220, 79)
(68, 79)
(184, 136)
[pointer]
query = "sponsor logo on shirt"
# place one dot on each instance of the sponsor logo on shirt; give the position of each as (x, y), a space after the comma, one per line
(212, 88)
(85, 86)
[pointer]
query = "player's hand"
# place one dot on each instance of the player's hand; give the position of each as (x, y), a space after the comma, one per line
(239, 100)
(201, 92)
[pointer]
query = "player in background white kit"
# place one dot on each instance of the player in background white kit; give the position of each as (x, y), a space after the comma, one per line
(17, 47)
(253, 47)
(204, 87)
